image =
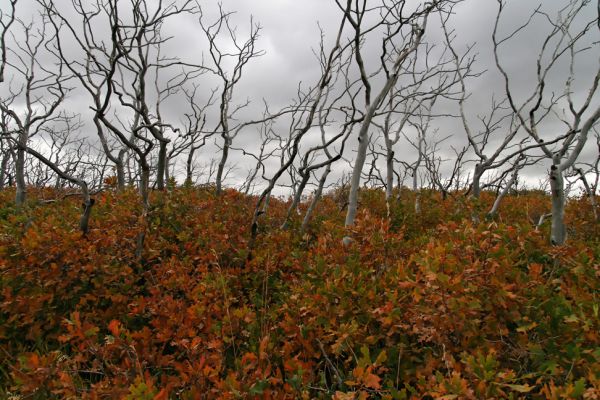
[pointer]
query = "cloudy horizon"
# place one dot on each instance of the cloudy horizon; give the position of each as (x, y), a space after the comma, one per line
(289, 36)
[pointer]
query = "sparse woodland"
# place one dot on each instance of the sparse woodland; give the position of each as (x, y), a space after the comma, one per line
(408, 258)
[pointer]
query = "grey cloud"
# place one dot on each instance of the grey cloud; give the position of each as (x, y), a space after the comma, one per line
(290, 33)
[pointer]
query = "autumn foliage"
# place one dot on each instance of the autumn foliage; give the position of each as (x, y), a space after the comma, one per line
(418, 306)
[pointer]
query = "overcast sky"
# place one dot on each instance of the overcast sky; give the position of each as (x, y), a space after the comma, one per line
(290, 33)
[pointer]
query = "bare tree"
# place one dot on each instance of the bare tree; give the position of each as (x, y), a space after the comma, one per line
(423, 79)
(141, 48)
(563, 42)
(588, 191)
(593, 167)
(128, 76)
(494, 121)
(420, 146)
(596, 165)
(64, 147)
(517, 166)
(58, 136)
(404, 34)
(95, 70)
(312, 158)
(5, 23)
(243, 52)
(434, 162)
(392, 131)
(7, 150)
(88, 201)
(40, 87)
(307, 108)
(331, 158)
(265, 152)
(193, 134)
(174, 85)
(308, 167)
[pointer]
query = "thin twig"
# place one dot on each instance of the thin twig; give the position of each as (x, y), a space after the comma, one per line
(328, 360)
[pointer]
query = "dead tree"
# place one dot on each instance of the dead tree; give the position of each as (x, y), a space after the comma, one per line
(595, 166)
(424, 76)
(496, 120)
(68, 174)
(122, 70)
(5, 23)
(7, 150)
(193, 135)
(272, 146)
(331, 158)
(64, 147)
(40, 88)
(404, 33)
(565, 41)
(324, 154)
(516, 167)
(95, 67)
(420, 146)
(243, 52)
(308, 108)
(434, 162)
(142, 62)
(588, 191)
(265, 152)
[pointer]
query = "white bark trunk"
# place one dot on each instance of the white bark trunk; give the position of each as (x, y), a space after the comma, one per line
(494, 210)
(361, 156)
(316, 198)
(558, 234)
(222, 162)
(389, 177)
(296, 200)
(3, 167)
(161, 166)
(363, 134)
(476, 189)
(20, 177)
(588, 191)
(417, 192)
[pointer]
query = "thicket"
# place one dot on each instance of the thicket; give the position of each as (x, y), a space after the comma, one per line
(418, 306)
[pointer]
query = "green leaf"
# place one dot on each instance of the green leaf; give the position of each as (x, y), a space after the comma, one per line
(579, 388)
(365, 360)
(259, 387)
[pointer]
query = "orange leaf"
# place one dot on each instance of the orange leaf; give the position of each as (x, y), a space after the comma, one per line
(372, 381)
(34, 360)
(113, 327)
(535, 270)
(344, 396)
(162, 395)
(262, 350)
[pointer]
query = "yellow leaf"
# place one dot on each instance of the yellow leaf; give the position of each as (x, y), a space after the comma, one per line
(381, 358)
(519, 388)
(527, 327)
